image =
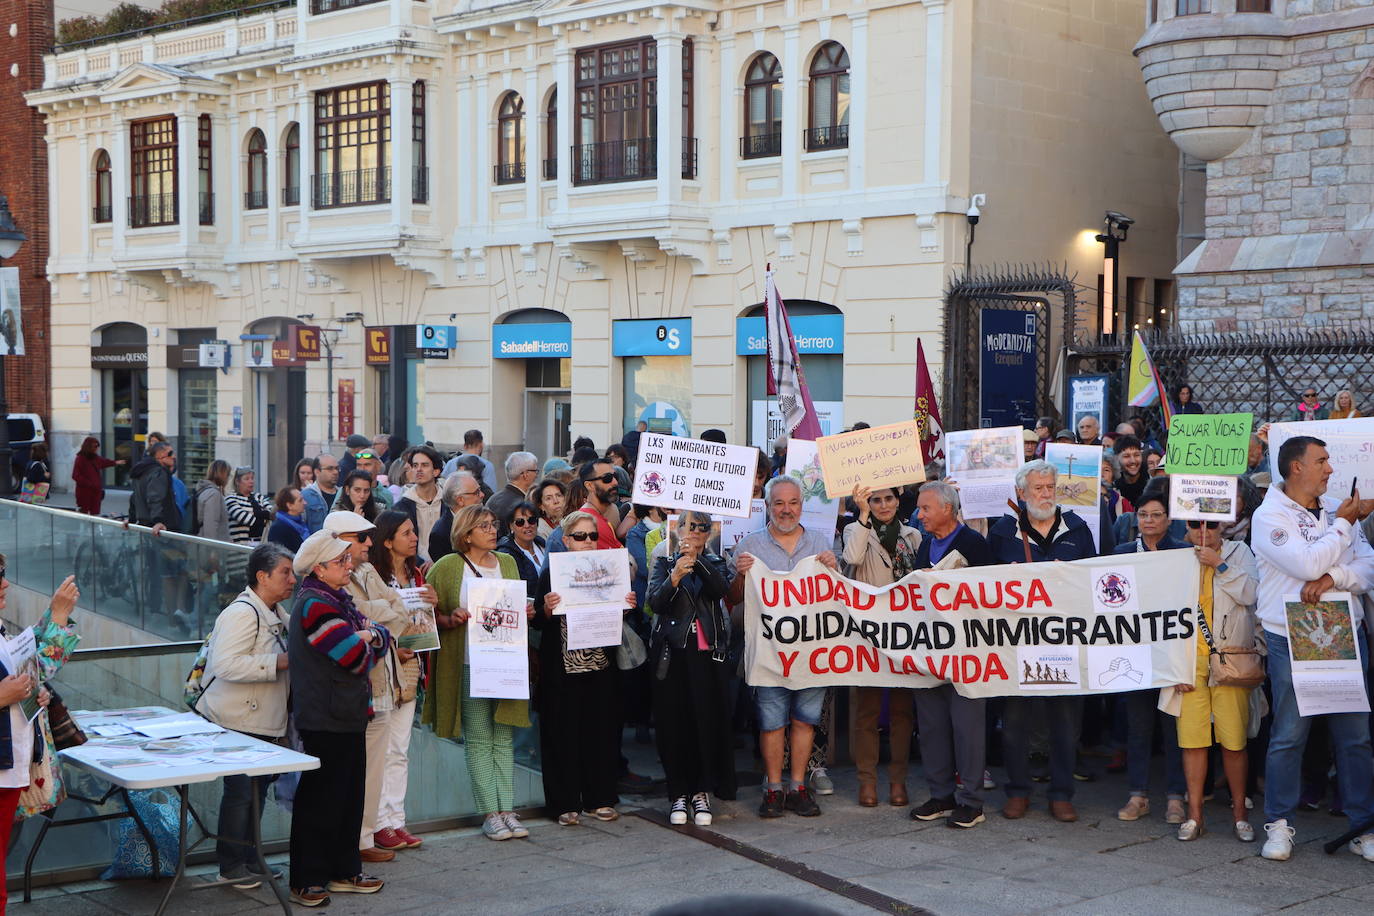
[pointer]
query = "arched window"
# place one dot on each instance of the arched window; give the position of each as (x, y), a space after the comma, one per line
(510, 153)
(255, 198)
(762, 108)
(829, 98)
(291, 176)
(102, 210)
(551, 137)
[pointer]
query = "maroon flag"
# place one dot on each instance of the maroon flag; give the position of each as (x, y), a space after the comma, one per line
(785, 378)
(928, 410)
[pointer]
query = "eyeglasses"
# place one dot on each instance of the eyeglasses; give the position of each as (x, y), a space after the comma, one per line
(581, 536)
(699, 526)
(342, 559)
(523, 522)
(1211, 526)
(1151, 516)
(488, 525)
(1309, 394)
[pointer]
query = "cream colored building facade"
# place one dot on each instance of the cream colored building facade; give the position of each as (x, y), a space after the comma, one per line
(228, 181)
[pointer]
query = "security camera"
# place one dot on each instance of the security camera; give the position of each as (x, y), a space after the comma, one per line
(1120, 219)
(973, 213)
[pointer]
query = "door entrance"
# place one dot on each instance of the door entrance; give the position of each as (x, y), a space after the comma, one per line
(548, 423)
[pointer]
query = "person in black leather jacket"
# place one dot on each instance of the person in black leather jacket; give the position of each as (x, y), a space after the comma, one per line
(687, 653)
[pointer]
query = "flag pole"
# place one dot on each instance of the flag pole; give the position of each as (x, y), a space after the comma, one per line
(767, 369)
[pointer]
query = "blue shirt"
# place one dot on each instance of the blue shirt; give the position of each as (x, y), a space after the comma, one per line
(764, 548)
(940, 546)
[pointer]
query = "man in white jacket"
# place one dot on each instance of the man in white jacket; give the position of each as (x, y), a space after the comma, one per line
(1306, 544)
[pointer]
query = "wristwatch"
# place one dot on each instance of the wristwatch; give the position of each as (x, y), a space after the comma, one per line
(1222, 567)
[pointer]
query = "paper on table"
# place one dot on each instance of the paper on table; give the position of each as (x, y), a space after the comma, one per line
(112, 730)
(1324, 652)
(591, 628)
(498, 639)
(174, 726)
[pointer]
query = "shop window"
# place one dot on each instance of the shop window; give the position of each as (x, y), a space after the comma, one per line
(153, 172)
(829, 98)
(352, 146)
(658, 390)
(762, 108)
(255, 198)
(510, 149)
(124, 401)
(204, 173)
(101, 212)
(196, 412)
(824, 379)
(291, 167)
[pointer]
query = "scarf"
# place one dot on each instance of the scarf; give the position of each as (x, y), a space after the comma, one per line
(890, 536)
(295, 523)
(340, 599)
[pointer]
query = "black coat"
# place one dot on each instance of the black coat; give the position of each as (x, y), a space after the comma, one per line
(440, 536)
(697, 598)
(528, 571)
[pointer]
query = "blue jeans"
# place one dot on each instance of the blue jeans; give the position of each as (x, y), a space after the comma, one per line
(1288, 736)
(1141, 713)
(1064, 715)
(778, 705)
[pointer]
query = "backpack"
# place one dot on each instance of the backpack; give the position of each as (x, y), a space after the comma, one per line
(196, 685)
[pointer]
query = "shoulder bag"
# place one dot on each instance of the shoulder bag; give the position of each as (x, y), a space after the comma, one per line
(1230, 666)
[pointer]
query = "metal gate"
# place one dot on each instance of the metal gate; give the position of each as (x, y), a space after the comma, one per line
(1047, 293)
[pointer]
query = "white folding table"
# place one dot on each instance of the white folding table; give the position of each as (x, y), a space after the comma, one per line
(175, 771)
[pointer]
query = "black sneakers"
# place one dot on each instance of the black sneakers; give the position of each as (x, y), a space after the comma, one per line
(799, 801)
(772, 804)
(965, 816)
(932, 809)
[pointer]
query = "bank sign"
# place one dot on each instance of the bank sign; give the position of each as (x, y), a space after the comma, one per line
(552, 340)
(652, 337)
(813, 334)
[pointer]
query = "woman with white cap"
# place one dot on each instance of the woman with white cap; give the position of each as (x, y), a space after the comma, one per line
(331, 648)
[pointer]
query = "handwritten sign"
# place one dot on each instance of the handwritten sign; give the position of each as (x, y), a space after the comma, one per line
(1350, 443)
(1205, 499)
(674, 472)
(881, 456)
(1209, 444)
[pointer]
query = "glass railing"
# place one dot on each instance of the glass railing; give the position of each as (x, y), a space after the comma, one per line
(170, 585)
(438, 796)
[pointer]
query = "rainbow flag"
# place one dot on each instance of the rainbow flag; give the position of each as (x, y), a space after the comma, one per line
(1143, 384)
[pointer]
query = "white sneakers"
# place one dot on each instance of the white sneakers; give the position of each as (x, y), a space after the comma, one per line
(496, 828)
(1279, 845)
(701, 810)
(678, 816)
(1363, 845)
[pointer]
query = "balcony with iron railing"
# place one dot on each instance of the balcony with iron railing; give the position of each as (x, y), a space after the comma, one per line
(330, 6)
(255, 200)
(206, 209)
(626, 160)
(291, 196)
(352, 188)
(510, 172)
(758, 146)
(102, 213)
(147, 210)
(419, 186)
(835, 136)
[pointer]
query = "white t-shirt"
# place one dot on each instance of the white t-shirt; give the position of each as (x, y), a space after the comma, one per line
(21, 736)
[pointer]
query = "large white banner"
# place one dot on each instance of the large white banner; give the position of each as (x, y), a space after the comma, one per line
(1101, 625)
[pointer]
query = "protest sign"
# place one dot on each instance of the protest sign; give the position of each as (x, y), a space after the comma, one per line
(880, 456)
(1350, 443)
(677, 473)
(1088, 398)
(1324, 652)
(590, 579)
(804, 465)
(1099, 625)
(423, 633)
(1078, 483)
(594, 628)
(985, 462)
(1209, 443)
(1200, 498)
(498, 638)
(732, 529)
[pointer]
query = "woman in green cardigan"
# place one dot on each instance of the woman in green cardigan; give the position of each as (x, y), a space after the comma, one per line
(449, 706)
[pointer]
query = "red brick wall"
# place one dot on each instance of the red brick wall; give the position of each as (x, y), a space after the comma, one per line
(24, 178)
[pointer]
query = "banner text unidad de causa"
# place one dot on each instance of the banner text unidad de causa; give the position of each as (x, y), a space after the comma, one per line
(885, 637)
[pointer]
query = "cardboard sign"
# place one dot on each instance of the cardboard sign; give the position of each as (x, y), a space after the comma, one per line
(1200, 498)
(1209, 444)
(674, 472)
(881, 456)
(1349, 442)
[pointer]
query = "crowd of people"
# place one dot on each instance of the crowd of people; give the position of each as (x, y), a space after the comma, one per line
(346, 549)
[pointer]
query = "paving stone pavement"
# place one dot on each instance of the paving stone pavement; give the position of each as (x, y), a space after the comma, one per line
(1099, 865)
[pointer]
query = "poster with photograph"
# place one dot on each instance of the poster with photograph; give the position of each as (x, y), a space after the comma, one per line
(423, 633)
(819, 511)
(498, 640)
(1078, 483)
(590, 579)
(1203, 498)
(11, 317)
(984, 463)
(1324, 651)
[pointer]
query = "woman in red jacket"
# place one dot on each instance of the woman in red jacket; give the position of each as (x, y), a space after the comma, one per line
(86, 473)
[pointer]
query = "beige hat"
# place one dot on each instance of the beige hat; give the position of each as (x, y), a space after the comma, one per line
(1028, 435)
(345, 522)
(1262, 479)
(320, 547)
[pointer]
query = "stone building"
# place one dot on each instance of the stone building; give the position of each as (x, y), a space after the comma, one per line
(1272, 102)
(576, 200)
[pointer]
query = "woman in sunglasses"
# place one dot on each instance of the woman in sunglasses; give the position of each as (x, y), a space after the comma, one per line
(524, 545)
(688, 647)
(579, 703)
(1230, 585)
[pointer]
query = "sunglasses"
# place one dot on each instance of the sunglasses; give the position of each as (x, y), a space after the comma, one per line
(604, 478)
(581, 536)
(698, 526)
(523, 522)
(1211, 526)
(364, 454)
(357, 537)
(2, 574)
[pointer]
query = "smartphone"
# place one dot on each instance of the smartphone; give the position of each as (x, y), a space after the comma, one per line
(1353, 481)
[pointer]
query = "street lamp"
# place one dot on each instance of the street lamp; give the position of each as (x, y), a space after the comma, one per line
(11, 237)
(1111, 265)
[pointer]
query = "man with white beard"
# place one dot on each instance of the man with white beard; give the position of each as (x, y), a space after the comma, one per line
(1049, 534)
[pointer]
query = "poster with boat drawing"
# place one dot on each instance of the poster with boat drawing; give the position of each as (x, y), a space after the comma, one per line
(590, 579)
